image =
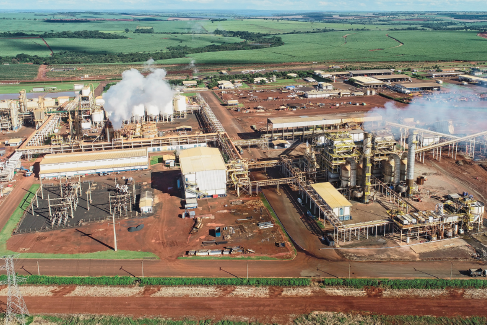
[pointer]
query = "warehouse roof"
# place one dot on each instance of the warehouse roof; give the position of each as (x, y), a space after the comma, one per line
(372, 71)
(297, 121)
(412, 85)
(392, 76)
(367, 81)
(331, 196)
(201, 159)
(81, 169)
(93, 155)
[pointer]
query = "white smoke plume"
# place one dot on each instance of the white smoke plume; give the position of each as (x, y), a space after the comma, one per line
(124, 99)
(461, 105)
(193, 67)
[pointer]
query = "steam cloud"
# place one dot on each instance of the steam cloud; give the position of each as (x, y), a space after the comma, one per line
(126, 97)
(436, 107)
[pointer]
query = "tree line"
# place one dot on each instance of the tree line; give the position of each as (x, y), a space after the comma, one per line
(66, 34)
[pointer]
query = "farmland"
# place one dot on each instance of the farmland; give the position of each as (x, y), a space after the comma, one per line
(305, 40)
(18, 71)
(360, 46)
(64, 86)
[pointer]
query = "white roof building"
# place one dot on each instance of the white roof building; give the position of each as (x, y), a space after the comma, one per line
(94, 162)
(204, 172)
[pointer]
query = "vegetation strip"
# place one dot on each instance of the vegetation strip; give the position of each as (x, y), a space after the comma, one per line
(407, 284)
(126, 280)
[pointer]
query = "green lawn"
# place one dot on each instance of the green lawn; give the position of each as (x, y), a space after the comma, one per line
(6, 233)
(65, 86)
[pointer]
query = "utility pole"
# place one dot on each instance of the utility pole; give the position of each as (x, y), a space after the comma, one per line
(114, 233)
(349, 266)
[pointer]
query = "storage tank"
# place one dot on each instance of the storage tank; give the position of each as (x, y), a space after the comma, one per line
(180, 103)
(99, 101)
(78, 86)
(345, 175)
(85, 91)
(49, 102)
(388, 170)
(98, 116)
(152, 110)
(168, 109)
(85, 125)
(477, 208)
(138, 111)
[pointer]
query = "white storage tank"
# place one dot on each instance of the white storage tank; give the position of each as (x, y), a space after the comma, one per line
(138, 111)
(85, 91)
(98, 116)
(85, 125)
(477, 208)
(78, 86)
(49, 102)
(168, 109)
(99, 101)
(180, 103)
(152, 110)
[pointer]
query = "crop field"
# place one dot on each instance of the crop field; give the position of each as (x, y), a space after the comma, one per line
(64, 86)
(14, 46)
(18, 71)
(360, 46)
(135, 43)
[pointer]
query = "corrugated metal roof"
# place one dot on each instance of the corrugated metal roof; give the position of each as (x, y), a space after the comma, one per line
(93, 155)
(87, 168)
(200, 159)
(331, 196)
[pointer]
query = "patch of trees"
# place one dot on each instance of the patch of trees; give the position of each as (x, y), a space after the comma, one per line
(144, 30)
(66, 34)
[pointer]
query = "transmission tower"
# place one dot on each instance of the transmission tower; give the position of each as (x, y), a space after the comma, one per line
(16, 308)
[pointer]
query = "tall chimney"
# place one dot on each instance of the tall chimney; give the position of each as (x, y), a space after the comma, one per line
(367, 166)
(411, 159)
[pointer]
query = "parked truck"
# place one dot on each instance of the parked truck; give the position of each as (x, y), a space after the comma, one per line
(477, 272)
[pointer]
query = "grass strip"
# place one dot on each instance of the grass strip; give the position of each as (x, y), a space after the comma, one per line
(408, 283)
(127, 280)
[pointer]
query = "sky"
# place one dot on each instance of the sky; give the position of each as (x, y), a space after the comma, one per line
(275, 5)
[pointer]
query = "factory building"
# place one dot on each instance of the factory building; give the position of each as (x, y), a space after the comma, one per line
(98, 162)
(335, 200)
(367, 82)
(321, 93)
(394, 78)
(204, 172)
(365, 73)
(416, 86)
(473, 79)
(443, 74)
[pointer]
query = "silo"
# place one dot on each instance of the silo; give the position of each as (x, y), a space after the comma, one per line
(138, 112)
(98, 117)
(180, 103)
(152, 112)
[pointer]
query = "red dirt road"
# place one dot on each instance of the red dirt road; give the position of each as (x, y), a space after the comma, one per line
(12, 202)
(276, 309)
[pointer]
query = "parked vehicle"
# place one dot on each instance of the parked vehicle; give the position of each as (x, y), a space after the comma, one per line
(477, 272)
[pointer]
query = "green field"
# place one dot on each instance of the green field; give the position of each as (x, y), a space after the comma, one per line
(61, 86)
(18, 71)
(367, 46)
(366, 40)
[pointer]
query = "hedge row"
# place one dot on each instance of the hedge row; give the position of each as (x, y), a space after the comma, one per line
(408, 284)
(126, 280)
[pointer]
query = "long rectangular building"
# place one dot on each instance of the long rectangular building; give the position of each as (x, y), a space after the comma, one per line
(319, 120)
(96, 162)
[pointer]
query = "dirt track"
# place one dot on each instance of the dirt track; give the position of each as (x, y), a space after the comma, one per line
(276, 310)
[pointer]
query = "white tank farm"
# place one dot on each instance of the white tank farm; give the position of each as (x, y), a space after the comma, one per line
(99, 101)
(85, 91)
(138, 111)
(168, 109)
(152, 110)
(98, 116)
(180, 103)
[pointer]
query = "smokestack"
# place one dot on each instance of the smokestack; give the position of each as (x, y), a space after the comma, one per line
(367, 166)
(411, 158)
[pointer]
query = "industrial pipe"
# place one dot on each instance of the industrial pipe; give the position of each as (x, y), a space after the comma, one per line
(411, 159)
